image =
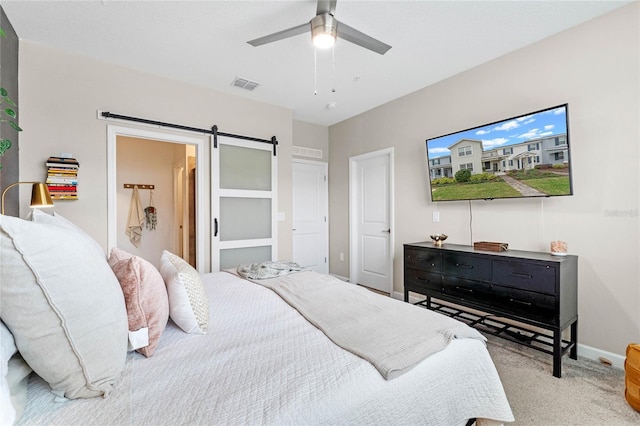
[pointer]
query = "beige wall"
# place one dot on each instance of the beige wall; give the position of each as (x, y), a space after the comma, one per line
(60, 94)
(595, 68)
(311, 136)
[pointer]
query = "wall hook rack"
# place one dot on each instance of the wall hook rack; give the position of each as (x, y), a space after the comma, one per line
(139, 185)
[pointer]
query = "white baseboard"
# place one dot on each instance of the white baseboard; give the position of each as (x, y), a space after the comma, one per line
(595, 354)
(400, 296)
(340, 277)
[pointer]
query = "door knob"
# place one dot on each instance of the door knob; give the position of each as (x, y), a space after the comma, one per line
(388, 231)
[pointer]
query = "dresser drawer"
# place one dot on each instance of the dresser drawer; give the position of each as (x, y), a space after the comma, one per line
(427, 260)
(524, 275)
(472, 267)
(420, 281)
(528, 304)
(467, 290)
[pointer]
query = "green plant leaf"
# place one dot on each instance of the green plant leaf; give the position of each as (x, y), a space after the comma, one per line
(10, 102)
(5, 144)
(3, 91)
(15, 126)
(11, 113)
(2, 33)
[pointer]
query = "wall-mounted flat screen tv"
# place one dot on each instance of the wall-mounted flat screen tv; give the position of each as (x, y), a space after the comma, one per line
(523, 156)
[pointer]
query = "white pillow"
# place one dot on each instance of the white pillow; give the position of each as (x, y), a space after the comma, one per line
(57, 219)
(14, 380)
(188, 305)
(7, 348)
(63, 305)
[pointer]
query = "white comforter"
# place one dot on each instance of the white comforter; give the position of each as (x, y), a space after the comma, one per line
(262, 363)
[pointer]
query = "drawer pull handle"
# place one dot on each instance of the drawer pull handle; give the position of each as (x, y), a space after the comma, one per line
(517, 274)
(422, 279)
(522, 302)
(460, 265)
(469, 290)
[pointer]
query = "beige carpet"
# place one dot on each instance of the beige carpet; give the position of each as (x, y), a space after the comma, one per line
(589, 393)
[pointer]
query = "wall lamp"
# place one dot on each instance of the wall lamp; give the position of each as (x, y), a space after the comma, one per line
(40, 196)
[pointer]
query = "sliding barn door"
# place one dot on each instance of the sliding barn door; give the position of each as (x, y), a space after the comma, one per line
(243, 203)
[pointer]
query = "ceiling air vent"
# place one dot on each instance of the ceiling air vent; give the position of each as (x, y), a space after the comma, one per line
(244, 83)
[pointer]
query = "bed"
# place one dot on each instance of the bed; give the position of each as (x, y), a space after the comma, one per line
(261, 362)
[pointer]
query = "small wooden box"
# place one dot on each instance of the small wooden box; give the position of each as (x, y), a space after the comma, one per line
(490, 246)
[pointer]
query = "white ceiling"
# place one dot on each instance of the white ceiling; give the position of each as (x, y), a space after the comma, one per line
(204, 43)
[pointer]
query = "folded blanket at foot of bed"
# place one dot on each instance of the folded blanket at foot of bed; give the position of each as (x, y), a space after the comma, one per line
(392, 335)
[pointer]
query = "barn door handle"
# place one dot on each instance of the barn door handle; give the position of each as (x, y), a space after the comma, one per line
(215, 227)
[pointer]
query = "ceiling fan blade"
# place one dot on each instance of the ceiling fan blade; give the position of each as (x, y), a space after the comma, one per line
(326, 6)
(290, 32)
(361, 39)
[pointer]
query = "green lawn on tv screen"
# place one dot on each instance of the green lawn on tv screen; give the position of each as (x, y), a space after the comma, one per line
(553, 185)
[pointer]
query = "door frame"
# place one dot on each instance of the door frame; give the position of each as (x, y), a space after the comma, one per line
(179, 208)
(354, 191)
(325, 189)
(112, 134)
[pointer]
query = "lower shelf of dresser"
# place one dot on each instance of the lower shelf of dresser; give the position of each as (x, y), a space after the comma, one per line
(549, 342)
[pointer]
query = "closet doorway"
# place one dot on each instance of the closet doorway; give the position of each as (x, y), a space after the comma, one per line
(147, 157)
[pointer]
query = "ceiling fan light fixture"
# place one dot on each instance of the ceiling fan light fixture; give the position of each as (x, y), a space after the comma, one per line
(324, 30)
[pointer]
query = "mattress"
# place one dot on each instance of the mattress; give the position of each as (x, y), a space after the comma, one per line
(261, 362)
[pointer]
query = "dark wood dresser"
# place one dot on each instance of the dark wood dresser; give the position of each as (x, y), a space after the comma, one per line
(526, 297)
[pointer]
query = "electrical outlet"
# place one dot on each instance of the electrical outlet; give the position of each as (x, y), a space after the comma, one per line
(341, 257)
(436, 216)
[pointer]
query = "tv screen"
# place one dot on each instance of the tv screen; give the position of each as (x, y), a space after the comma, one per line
(523, 156)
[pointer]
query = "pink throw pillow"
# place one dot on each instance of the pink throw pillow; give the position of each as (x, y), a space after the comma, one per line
(145, 295)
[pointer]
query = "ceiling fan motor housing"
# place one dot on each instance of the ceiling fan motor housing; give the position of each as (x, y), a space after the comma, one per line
(324, 30)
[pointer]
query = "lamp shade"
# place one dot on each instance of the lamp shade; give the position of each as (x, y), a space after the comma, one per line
(40, 196)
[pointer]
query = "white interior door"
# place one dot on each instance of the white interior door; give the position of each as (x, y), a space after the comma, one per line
(310, 211)
(243, 203)
(371, 220)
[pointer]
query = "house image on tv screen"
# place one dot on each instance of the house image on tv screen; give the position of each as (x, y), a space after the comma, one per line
(469, 154)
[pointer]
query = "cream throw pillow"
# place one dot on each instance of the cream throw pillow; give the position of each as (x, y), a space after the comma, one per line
(63, 305)
(145, 295)
(188, 305)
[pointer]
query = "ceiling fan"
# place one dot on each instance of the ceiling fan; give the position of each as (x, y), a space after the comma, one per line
(324, 29)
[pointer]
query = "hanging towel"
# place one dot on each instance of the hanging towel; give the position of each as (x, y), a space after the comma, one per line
(136, 218)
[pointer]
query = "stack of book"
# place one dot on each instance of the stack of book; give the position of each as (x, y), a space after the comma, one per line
(62, 178)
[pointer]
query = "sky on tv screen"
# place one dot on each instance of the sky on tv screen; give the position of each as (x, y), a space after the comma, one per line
(541, 124)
